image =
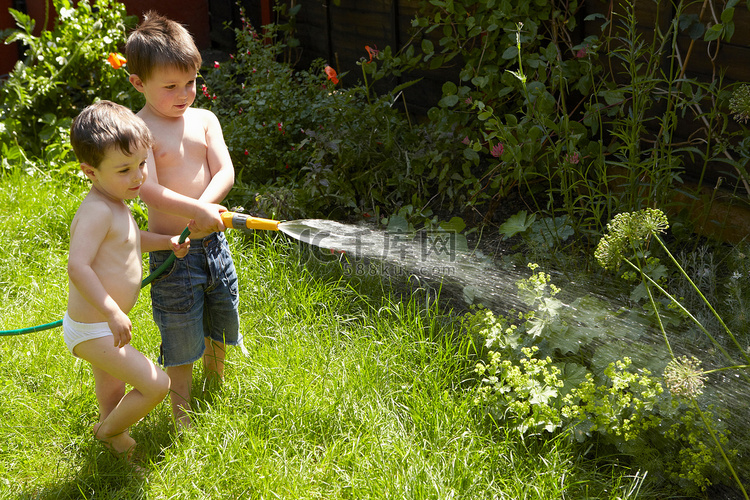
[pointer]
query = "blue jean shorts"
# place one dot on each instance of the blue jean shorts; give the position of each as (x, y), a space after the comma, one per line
(196, 298)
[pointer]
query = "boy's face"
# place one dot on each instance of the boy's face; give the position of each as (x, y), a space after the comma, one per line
(119, 176)
(169, 91)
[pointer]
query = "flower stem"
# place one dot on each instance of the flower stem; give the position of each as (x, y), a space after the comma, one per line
(695, 287)
(721, 450)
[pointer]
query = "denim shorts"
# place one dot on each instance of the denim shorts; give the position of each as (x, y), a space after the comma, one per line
(196, 298)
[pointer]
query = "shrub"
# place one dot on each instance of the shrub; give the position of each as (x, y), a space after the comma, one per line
(560, 370)
(335, 150)
(63, 71)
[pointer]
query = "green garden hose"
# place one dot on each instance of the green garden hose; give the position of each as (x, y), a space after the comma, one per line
(148, 279)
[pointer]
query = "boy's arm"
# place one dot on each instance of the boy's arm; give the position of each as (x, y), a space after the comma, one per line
(219, 162)
(87, 234)
(151, 242)
(207, 216)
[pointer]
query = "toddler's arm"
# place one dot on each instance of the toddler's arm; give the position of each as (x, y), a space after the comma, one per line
(151, 242)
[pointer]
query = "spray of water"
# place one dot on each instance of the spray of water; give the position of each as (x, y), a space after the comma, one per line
(617, 330)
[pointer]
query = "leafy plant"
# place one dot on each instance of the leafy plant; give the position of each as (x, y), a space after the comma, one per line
(586, 128)
(627, 241)
(339, 150)
(549, 371)
(63, 70)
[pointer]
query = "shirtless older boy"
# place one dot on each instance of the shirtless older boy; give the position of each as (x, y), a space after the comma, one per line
(195, 304)
(105, 270)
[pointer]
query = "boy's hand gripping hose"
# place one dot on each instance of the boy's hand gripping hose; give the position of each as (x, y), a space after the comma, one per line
(231, 220)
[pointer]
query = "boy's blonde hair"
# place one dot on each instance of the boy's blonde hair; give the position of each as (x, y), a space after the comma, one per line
(159, 41)
(105, 125)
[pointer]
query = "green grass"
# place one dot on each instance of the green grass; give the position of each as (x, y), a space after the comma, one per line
(345, 392)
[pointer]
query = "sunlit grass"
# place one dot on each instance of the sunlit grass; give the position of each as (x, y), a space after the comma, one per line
(344, 391)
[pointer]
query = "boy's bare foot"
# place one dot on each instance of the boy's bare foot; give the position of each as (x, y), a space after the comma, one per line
(183, 423)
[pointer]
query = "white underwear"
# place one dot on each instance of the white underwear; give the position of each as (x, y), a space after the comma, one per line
(74, 332)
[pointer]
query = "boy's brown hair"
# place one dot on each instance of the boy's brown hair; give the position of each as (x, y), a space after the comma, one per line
(159, 41)
(105, 125)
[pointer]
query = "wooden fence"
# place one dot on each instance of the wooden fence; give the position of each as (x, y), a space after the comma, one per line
(339, 33)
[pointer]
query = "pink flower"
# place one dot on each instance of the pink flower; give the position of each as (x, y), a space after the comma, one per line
(497, 150)
(581, 53)
(466, 140)
(573, 158)
(216, 64)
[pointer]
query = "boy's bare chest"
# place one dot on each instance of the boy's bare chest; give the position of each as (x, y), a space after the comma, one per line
(183, 146)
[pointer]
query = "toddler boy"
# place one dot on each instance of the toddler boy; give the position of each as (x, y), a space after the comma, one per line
(105, 270)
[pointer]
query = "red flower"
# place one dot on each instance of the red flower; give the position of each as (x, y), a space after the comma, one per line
(216, 64)
(331, 73)
(116, 60)
(497, 150)
(372, 52)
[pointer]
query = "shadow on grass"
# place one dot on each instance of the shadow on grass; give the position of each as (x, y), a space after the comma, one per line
(99, 474)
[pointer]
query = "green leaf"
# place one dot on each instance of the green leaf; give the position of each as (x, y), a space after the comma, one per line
(517, 224)
(397, 224)
(449, 88)
(470, 154)
(594, 17)
(448, 101)
(727, 15)
(714, 32)
(404, 85)
(456, 224)
(510, 53)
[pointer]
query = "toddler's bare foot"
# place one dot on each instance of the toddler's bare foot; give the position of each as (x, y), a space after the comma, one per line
(120, 445)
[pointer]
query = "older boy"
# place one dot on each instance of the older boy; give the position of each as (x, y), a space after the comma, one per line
(105, 270)
(195, 304)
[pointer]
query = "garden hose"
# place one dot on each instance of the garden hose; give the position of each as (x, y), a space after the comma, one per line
(234, 220)
(231, 220)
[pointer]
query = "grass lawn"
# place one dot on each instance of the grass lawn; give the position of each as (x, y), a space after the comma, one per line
(344, 392)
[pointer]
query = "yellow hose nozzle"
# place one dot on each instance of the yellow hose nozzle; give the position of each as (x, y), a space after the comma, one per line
(234, 220)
